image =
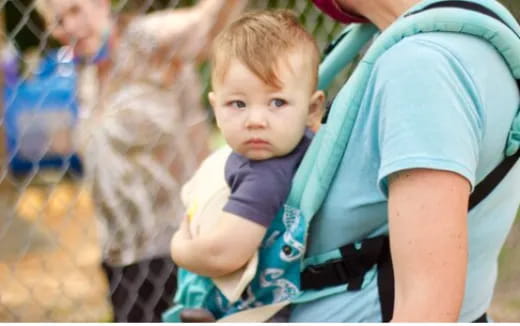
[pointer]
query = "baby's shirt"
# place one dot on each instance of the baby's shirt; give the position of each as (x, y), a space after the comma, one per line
(260, 188)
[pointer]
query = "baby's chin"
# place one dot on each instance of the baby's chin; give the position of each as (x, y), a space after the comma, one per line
(260, 155)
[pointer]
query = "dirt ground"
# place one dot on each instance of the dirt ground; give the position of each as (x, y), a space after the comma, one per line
(49, 262)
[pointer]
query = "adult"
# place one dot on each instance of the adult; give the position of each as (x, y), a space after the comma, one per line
(433, 122)
(143, 132)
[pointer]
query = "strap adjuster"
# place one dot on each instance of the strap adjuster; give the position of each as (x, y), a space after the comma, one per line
(342, 271)
(349, 269)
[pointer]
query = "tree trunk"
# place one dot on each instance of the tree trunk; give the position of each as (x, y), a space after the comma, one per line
(6, 190)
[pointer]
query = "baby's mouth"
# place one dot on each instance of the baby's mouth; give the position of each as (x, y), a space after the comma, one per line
(257, 141)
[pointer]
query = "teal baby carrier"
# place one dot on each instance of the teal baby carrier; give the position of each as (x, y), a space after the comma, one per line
(285, 274)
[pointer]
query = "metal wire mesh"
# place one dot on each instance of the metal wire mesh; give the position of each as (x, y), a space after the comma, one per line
(53, 240)
(56, 230)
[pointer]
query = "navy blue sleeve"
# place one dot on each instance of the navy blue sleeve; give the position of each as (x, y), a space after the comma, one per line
(258, 191)
(260, 188)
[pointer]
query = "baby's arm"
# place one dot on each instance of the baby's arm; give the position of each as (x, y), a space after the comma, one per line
(224, 250)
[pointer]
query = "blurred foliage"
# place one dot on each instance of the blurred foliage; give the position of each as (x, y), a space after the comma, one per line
(513, 5)
(27, 30)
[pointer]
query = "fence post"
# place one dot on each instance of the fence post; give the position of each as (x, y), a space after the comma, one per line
(8, 189)
(2, 129)
(5, 188)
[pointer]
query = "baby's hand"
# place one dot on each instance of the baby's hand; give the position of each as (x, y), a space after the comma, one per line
(180, 240)
(184, 228)
(182, 234)
(197, 316)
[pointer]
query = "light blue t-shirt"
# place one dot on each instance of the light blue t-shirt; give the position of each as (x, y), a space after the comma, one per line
(438, 100)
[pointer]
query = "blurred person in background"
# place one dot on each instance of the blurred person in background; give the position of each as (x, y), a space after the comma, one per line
(142, 133)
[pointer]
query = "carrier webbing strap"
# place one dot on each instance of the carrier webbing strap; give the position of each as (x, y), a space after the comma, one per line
(463, 5)
(481, 319)
(385, 283)
(352, 267)
(486, 186)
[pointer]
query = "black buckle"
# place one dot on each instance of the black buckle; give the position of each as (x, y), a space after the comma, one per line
(342, 271)
(349, 269)
(334, 272)
(314, 269)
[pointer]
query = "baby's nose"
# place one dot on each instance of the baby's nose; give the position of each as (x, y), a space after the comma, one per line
(256, 119)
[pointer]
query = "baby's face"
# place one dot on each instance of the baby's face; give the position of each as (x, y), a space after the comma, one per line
(260, 121)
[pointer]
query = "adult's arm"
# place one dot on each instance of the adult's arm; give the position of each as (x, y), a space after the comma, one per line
(427, 212)
(430, 140)
(185, 33)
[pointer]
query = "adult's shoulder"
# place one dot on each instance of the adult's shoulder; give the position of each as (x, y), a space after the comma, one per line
(431, 51)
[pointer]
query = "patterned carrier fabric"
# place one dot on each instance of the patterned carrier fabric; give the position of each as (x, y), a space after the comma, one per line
(278, 274)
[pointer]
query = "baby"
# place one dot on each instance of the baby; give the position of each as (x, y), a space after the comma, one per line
(264, 78)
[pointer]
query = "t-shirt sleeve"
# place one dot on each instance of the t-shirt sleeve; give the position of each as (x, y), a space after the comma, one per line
(260, 192)
(429, 113)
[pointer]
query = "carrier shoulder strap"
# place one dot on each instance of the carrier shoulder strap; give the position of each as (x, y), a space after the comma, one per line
(486, 186)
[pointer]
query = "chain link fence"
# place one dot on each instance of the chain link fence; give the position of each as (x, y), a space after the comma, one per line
(54, 250)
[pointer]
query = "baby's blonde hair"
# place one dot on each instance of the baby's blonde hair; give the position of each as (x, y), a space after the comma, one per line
(259, 40)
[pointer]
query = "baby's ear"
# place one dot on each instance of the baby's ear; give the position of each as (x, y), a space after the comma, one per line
(212, 99)
(316, 109)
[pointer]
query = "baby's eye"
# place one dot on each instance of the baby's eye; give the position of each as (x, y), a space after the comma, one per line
(278, 102)
(237, 104)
